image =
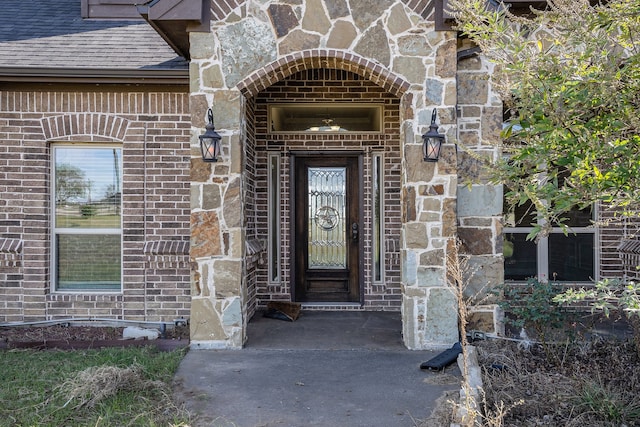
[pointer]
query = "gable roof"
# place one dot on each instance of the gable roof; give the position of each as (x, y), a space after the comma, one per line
(43, 40)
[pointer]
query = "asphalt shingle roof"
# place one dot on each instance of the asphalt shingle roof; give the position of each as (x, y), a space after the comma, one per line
(52, 34)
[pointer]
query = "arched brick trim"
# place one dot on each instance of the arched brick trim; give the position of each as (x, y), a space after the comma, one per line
(220, 9)
(322, 58)
(423, 8)
(88, 126)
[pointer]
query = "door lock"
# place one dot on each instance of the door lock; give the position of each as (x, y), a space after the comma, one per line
(354, 231)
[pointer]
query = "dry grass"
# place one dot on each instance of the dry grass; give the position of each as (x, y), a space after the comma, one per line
(582, 384)
(97, 383)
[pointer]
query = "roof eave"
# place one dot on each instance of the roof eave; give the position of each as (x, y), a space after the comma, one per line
(174, 19)
(94, 75)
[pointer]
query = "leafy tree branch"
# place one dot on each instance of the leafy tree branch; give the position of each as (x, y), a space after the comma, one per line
(570, 80)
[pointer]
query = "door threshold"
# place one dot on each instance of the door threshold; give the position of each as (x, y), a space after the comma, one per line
(332, 306)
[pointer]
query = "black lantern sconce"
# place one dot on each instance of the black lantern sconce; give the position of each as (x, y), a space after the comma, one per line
(210, 141)
(432, 141)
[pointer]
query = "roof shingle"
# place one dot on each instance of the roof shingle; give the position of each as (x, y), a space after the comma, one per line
(52, 34)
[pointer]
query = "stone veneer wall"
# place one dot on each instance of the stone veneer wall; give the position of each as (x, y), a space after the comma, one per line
(254, 44)
(480, 204)
(153, 130)
(334, 86)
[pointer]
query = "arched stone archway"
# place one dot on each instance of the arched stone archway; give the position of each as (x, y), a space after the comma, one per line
(323, 59)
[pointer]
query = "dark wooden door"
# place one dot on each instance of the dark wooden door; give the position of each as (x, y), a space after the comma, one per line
(327, 228)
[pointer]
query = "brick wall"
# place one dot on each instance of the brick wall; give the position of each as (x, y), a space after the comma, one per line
(614, 230)
(253, 261)
(153, 128)
(331, 86)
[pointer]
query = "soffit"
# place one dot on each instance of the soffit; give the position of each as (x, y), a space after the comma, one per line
(174, 19)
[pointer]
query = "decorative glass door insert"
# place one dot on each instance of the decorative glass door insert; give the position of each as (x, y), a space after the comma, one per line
(327, 228)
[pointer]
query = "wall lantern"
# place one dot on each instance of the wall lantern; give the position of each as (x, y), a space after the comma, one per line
(210, 141)
(432, 141)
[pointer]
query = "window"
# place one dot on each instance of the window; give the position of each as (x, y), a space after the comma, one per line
(87, 231)
(325, 118)
(557, 257)
(273, 183)
(378, 218)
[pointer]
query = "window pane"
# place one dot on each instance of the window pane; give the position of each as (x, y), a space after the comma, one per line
(87, 187)
(378, 213)
(325, 118)
(519, 216)
(571, 257)
(579, 217)
(274, 217)
(520, 257)
(88, 262)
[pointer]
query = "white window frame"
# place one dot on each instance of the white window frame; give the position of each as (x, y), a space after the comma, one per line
(55, 230)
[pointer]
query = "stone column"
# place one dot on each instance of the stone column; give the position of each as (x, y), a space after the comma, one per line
(429, 306)
(479, 204)
(218, 312)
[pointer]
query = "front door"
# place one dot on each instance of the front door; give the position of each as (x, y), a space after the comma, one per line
(327, 228)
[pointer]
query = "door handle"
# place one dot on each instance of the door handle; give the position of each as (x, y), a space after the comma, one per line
(354, 231)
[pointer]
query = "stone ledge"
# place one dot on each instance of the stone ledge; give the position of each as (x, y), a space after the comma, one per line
(629, 253)
(213, 345)
(10, 246)
(255, 246)
(167, 254)
(10, 252)
(166, 247)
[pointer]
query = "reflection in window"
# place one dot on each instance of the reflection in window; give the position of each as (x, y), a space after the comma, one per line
(571, 257)
(325, 117)
(87, 196)
(557, 257)
(327, 220)
(520, 257)
(378, 218)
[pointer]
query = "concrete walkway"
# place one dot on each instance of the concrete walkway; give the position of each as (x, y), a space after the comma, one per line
(325, 369)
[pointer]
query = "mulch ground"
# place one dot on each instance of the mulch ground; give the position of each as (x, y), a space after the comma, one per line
(64, 337)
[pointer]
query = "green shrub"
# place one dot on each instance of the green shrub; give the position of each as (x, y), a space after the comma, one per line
(609, 295)
(87, 210)
(531, 306)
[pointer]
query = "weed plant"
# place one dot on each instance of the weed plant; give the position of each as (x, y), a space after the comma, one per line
(612, 405)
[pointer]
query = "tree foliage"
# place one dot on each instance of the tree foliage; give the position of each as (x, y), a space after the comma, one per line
(70, 183)
(570, 80)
